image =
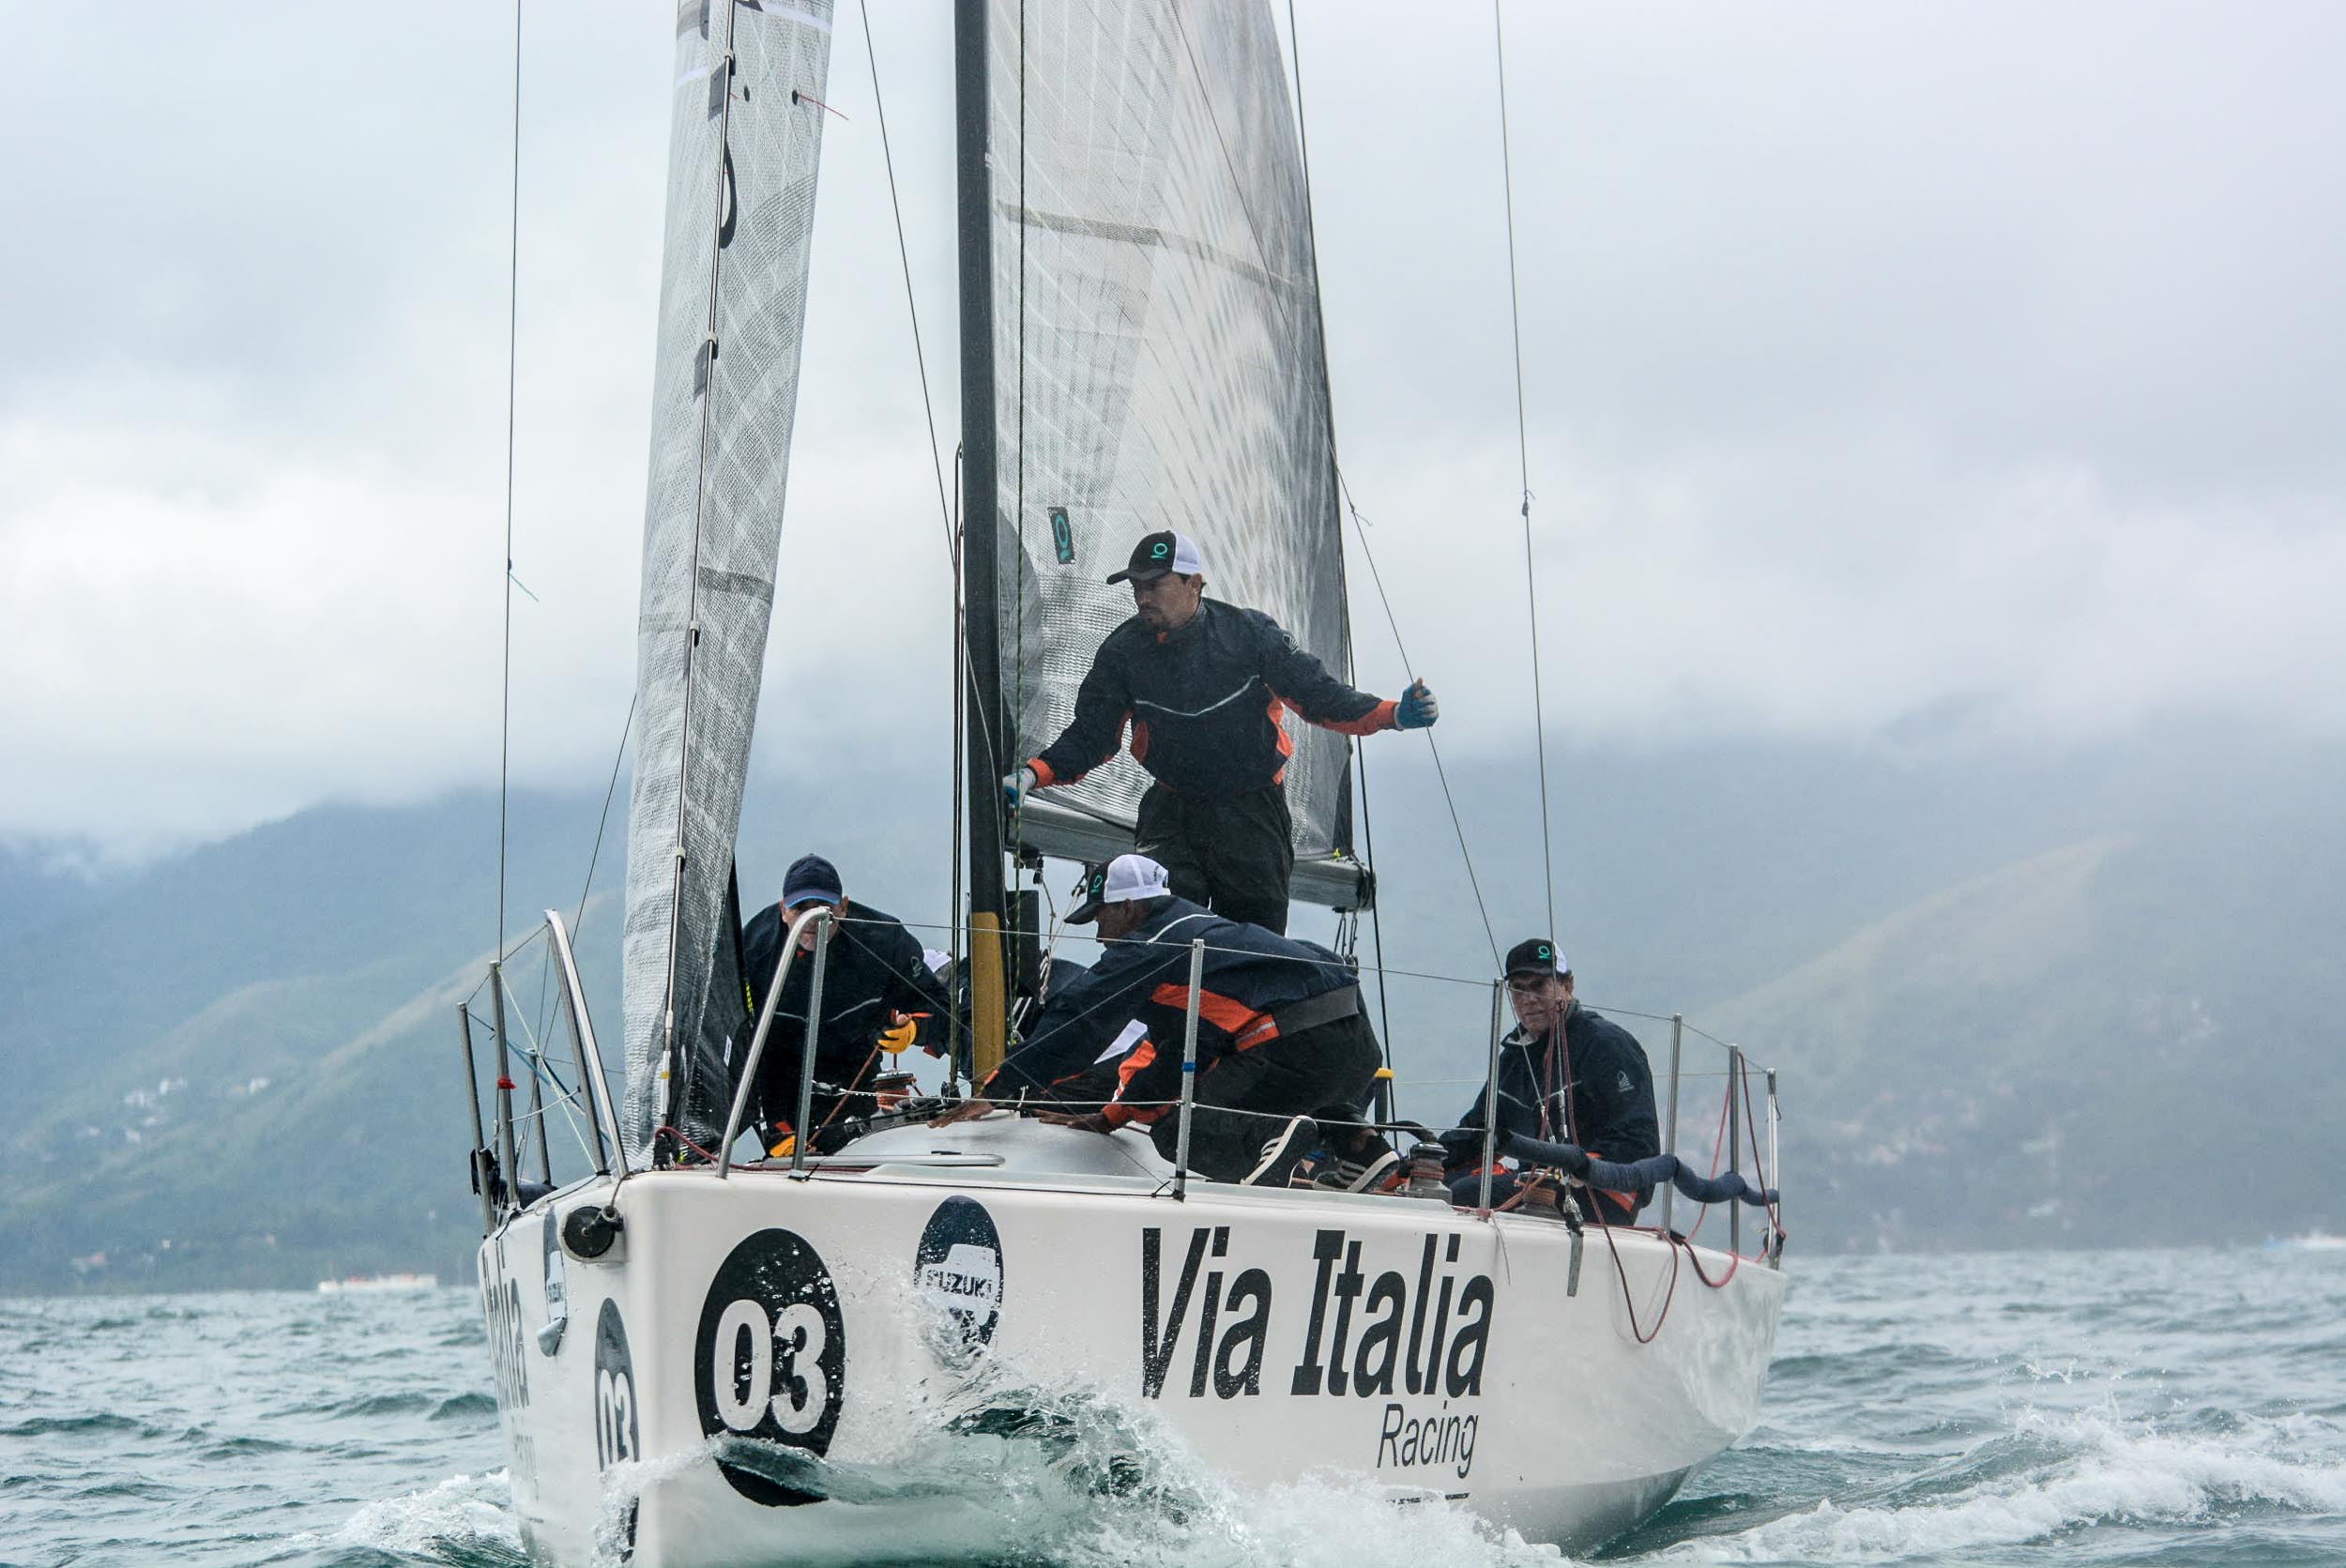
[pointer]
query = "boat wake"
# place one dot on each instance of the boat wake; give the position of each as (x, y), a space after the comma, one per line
(2052, 1478)
(1020, 1473)
(1007, 1470)
(465, 1521)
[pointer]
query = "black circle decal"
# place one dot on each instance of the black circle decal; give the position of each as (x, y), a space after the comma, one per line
(616, 1438)
(771, 1359)
(958, 1274)
(558, 1300)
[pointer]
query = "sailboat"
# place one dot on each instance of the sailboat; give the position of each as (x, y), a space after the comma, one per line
(700, 1361)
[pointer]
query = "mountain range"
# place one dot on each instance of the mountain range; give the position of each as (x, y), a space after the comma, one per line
(2015, 998)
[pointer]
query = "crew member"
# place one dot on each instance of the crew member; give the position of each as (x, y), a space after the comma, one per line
(878, 988)
(1203, 686)
(1282, 1042)
(1565, 1075)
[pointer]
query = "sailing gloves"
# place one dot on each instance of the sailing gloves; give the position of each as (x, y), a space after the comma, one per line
(1417, 709)
(1015, 786)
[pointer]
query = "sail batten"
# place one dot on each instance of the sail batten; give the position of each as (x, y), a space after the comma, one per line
(1157, 362)
(744, 146)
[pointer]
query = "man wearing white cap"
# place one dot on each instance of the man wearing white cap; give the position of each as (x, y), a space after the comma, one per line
(1282, 1045)
(1204, 686)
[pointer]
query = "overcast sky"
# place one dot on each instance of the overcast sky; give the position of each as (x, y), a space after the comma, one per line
(1971, 375)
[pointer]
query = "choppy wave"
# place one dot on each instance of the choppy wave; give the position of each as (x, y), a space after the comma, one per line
(465, 1520)
(2137, 1408)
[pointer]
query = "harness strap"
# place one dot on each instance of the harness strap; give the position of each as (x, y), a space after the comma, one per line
(1293, 1019)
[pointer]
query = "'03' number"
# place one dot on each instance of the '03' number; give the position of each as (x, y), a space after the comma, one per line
(745, 1375)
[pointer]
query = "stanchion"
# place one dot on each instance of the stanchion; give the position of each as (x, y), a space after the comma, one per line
(1734, 1139)
(802, 1130)
(1490, 1097)
(1189, 1068)
(1669, 1128)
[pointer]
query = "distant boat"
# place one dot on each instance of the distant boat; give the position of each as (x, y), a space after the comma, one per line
(2312, 1240)
(354, 1285)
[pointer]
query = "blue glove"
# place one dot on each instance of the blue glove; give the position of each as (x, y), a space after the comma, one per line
(1418, 709)
(1015, 786)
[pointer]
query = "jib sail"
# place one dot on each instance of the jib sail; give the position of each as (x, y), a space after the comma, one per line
(743, 144)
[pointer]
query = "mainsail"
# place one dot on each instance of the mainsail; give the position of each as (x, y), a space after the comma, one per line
(1157, 364)
(744, 143)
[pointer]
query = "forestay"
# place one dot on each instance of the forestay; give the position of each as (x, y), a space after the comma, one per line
(743, 152)
(1157, 359)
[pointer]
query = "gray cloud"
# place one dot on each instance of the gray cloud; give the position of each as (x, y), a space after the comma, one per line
(1889, 371)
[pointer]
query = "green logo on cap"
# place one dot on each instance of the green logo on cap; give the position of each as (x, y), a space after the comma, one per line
(1547, 954)
(1158, 549)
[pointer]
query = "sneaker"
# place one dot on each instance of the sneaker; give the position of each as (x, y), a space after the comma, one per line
(1280, 1154)
(1379, 1173)
(1312, 1169)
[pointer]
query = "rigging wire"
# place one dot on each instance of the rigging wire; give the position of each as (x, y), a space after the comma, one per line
(948, 498)
(1018, 657)
(903, 257)
(1344, 486)
(1359, 753)
(1457, 825)
(578, 921)
(512, 361)
(1523, 459)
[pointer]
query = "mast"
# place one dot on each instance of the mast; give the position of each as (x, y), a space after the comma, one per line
(982, 621)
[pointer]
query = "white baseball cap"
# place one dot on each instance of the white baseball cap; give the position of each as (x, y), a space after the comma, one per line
(1126, 879)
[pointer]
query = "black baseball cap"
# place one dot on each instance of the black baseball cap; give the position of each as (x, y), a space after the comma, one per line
(1158, 553)
(1536, 956)
(810, 879)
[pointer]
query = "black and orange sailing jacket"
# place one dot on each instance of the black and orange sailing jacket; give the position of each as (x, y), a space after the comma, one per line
(1249, 975)
(1596, 1090)
(1204, 704)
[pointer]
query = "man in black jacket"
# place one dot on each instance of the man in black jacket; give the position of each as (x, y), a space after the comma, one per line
(1566, 1076)
(876, 986)
(1203, 686)
(1282, 1042)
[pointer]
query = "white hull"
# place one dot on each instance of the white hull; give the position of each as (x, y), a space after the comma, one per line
(1493, 1376)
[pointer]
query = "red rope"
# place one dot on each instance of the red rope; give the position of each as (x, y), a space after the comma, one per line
(1622, 1273)
(687, 1143)
(841, 1102)
(1752, 1121)
(1718, 1141)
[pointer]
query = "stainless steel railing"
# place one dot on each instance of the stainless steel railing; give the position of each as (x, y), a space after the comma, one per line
(821, 916)
(600, 1107)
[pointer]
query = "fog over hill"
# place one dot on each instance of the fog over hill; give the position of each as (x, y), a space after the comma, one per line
(2015, 998)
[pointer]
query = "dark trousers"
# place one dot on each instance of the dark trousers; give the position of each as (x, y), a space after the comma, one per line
(1245, 1098)
(1233, 854)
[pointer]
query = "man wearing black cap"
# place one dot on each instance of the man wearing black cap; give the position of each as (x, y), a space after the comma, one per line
(1203, 686)
(877, 986)
(1565, 1075)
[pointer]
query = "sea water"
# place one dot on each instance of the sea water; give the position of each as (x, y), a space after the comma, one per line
(2101, 1408)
